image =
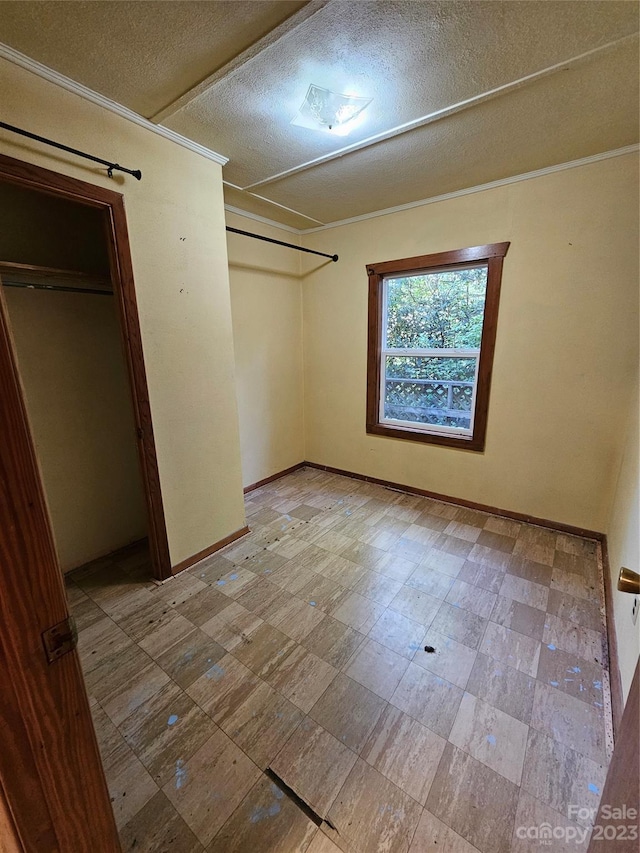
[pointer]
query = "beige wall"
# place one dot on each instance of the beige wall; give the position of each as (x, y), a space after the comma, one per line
(76, 387)
(266, 307)
(566, 346)
(176, 227)
(623, 535)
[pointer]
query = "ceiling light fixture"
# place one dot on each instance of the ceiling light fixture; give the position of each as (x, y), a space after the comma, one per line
(329, 111)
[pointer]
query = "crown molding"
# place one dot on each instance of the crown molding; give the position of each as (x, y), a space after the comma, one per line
(40, 70)
(502, 182)
(263, 219)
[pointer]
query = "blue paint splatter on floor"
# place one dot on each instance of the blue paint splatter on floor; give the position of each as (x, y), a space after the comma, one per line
(221, 582)
(312, 603)
(574, 669)
(597, 685)
(173, 719)
(216, 672)
(593, 788)
(491, 739)
(233, 577)
(554, 683)
(551, 647)
(180, 774)
(261, 812)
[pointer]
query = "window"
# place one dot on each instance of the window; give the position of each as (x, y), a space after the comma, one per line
(432, 329)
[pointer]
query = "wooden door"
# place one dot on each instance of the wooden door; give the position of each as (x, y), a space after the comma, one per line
(616, 827)
(53, 794)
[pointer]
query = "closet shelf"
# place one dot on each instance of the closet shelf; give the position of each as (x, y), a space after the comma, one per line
(27, 274)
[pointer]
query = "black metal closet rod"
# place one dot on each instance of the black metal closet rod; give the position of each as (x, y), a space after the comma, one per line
(57, 287)
(280, 243)
(111, 167)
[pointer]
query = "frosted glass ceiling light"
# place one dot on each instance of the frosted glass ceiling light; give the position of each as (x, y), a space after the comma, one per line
(325, 110)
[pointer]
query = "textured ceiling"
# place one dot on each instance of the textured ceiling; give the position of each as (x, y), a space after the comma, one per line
(463, 92)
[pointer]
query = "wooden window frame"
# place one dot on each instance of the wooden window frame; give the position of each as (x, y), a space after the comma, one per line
(492, 255)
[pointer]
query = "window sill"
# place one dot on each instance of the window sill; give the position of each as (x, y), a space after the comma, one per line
(474, 443)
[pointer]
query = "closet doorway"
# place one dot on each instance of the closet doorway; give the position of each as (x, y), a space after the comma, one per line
(69, 298)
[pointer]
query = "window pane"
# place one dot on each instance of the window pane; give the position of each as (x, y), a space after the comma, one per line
(441, 309)
(430, 390)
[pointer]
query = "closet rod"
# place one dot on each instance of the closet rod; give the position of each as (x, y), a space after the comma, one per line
(56, 287)
(111, 167)
(280, 243)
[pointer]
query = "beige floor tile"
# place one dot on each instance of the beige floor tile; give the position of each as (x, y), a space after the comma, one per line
(395, 567)
(580, 564)
(416, 605)
(342, 571)
(536, 543)
(202, 606)
(572, 609)
(503, 687)
(526, 592)
(473, 800)
(574, 638)
(511, 648)
(358, 612)
(130, 785)
(519, 617)
(446, 564)
(561, 777)
(451, 660)
(108, 735)
(234, 581)
(100, 642)
(166, 635)
(409, 549)
(377, 667)
(459, 624)
(428, 580)
(85, 611)
(538, 826)
(302, 677)
(264, 650)
(452, 545)
(333, 641)
(377, 587)
(497, 560)
(574, 584)
(405, 752)
(398, 633)
(490, 736)
(483, 576)
(575, 545)
(421, 534)
(292, 578)
(157, 827)
(469, 597)
(223, 688)
(212, 568)
(323, 593)
(428, 698)
(433, 836)
(262, 724)
(190, 658)
(167, 727)
(348, 711)
(288, 546)
(433, 522)
(263, 597)
(505, 526)
(265, 563)
(148, 619)
(296, 618)
(208, 787)
(180, 589)
(232, 626)
(266, 820)
(496, 541)
(315, 765)
(570, 721)
(462, 531)
(114, 671)
(571, 674)
(531, 571)
(133, 691)
(370, 808)
(322, 844)
(365, 555)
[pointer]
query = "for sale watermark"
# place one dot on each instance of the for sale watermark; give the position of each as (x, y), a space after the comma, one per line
(615, 823)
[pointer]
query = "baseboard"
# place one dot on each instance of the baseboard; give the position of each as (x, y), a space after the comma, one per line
(615, 679)
(273, 477)
(207, 552)
(492, 510)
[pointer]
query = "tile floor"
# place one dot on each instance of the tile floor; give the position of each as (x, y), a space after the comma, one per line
(301, 649)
